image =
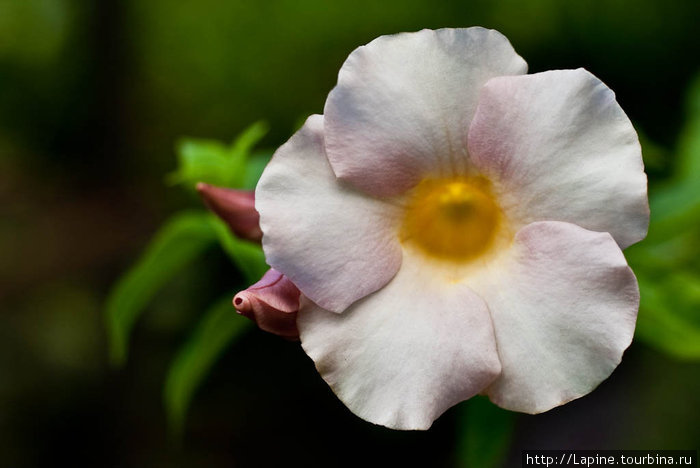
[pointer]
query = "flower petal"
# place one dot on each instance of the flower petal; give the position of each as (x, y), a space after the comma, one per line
(336, 245)
(403, 103)
(564, 304)
(559, 147)
(405, 354)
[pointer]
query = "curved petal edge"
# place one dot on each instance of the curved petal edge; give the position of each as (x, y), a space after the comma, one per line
(335, 244)
(558, 147)
(403, 103)
(565, 318)
(405, 354)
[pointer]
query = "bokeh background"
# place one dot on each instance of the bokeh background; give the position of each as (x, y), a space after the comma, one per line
(94, 96)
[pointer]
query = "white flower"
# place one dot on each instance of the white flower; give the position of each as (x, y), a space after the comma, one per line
(455, 227)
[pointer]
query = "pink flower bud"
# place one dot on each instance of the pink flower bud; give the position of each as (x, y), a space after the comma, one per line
(272, 303)
(235, 207)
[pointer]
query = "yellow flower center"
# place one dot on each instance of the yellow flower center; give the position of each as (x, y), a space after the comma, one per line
(452, 219)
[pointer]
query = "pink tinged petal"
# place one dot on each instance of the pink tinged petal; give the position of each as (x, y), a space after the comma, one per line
(405, 354)
(272, 303)
(235, 207)
(564, 305)
(403, 104)
(559, 147)
(336, 244)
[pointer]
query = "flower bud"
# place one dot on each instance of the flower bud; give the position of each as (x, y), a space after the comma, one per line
(235, 207)
(272, 303)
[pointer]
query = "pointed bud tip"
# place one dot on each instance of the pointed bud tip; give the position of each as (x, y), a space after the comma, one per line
(235, 207)
(242, 303)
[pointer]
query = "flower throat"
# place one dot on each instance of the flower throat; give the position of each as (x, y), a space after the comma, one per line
(452, 219)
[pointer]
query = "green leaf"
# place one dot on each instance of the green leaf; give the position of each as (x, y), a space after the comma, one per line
(689, 141)
(219, 327)
(244, 143)
(202, 161)
(248, 257)
(213, 162)
(679, 251)
(485, 432)
(254, 169)
(668, 316)
(179, 241)
(676, 205)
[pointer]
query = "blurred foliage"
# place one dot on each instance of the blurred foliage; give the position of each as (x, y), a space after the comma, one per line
(174, 246)
(177, 243)
(484, 433)
(19, 22)
(667, 262)
(209, 340)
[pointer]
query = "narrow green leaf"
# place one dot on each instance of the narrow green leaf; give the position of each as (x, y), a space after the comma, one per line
(668, 317)
(689, 150)
(689, 142)
(485, 432)
(673, 229)
(248, 138)
(180, 240)
(254, 169)
(679, 251)
(676, 205)
(248, 257)
(239, 156)
(219, 327)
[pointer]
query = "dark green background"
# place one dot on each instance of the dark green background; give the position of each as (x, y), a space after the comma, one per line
(93, 96)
